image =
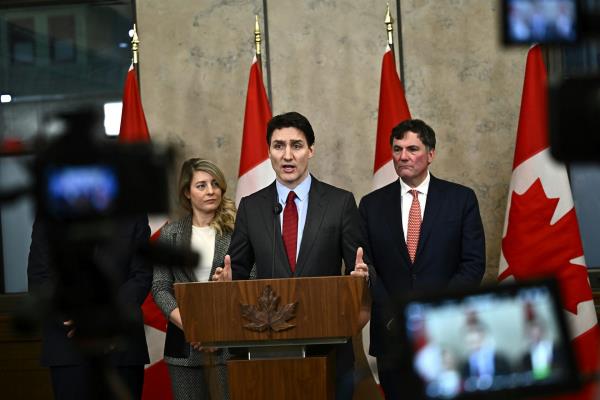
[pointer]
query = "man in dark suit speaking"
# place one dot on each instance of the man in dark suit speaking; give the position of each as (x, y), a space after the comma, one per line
(298, 226)
(422, 233)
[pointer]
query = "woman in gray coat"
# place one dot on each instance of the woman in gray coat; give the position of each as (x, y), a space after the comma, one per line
(196, 372)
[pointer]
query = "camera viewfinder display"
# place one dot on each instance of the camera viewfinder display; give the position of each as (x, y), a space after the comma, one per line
(540, 21)
(80, 191)
(507, 341)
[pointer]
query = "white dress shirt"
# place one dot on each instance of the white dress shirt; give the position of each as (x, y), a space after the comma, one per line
(406, 198)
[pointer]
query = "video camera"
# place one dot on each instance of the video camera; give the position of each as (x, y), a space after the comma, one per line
(79, 179)
(549, 22)
(570, 31)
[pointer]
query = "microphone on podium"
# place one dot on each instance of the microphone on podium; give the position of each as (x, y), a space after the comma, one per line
(277, 209)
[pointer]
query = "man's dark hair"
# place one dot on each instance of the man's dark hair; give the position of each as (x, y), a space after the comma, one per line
(424, 132)
(291, 120)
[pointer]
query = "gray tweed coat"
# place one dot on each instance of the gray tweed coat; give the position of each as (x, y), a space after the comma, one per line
(179, 234)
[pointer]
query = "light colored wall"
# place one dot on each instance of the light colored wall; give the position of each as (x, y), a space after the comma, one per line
(325, 63)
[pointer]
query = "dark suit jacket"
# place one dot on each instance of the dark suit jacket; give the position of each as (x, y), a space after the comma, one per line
(129, 272)
(332, 233)
(451, 250)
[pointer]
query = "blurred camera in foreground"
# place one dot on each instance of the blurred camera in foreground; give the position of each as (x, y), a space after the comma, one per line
(80, 178)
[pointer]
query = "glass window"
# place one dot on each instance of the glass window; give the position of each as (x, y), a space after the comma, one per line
(61, 33)
(21, 41)
(53, 57)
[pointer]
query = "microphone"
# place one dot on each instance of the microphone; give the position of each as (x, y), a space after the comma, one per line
(277, 208)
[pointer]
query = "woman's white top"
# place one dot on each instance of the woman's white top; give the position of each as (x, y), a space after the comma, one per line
(203, 242)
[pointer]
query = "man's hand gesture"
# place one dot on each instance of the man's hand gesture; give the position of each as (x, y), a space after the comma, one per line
(223, 274)
(360, 268)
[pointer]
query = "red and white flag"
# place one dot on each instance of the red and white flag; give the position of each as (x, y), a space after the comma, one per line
(541, 234)
(133, 121)
(157, 385)
(255, 168)
(393, 109)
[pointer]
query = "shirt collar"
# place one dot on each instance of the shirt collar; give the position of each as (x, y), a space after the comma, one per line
(422, 188)
(301, 190)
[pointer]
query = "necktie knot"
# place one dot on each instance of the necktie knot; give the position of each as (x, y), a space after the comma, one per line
(290, 197)
(415, 193)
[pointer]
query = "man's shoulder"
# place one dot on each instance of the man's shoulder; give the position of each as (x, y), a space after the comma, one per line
(449, 186)
(328, 189)
(259, 195)
(382, 192)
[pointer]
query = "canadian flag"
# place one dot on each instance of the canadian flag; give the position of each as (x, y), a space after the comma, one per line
(134, 129)
(133, 121)
(393, 109)
(255, 168)
(541, 234)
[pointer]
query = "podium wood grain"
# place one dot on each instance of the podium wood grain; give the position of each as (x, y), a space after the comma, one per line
(277, 379)
(328, 307)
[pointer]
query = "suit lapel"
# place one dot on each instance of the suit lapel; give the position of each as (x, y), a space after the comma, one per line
(393, 209)
(282, 265)
(317, 205)
(184, 238)
(432, 208)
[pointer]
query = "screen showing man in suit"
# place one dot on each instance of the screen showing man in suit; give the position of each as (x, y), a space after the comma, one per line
(423, 233)
(298, 226)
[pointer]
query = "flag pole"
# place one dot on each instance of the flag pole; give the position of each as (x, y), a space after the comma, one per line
(257, 40)
(267, 52)
(135, 44)
(400, 50)
(389, 27)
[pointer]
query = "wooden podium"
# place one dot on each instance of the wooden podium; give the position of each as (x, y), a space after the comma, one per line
(275, 319)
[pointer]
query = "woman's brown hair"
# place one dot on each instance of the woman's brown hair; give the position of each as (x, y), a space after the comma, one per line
(224, 219)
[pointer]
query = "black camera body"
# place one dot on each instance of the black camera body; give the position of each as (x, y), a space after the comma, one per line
(80, 179)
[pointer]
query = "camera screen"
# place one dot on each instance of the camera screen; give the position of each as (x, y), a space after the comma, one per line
(494, 342)
(79, 191)
(540, 21)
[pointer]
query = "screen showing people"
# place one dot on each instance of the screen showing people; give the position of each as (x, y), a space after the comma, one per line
(489, 342)
(542, 21)
(80, 190)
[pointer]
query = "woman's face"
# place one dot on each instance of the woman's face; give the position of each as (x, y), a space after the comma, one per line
(204, 193)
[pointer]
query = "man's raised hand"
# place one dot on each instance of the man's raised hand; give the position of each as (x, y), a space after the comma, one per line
(360, 268)
(223, 274)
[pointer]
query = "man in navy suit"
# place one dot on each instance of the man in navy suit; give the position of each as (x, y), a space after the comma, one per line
(423, 233)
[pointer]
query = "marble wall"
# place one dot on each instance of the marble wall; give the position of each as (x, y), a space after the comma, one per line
(325, 59)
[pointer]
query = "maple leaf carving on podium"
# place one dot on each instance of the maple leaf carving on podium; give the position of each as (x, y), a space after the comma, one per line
(268, 314)
(534, 249)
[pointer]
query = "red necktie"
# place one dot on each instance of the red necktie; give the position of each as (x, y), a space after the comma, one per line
(290, 229)
(414, 225)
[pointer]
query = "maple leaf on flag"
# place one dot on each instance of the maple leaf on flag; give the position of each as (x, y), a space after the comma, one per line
(267, 315)
(534, 248)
